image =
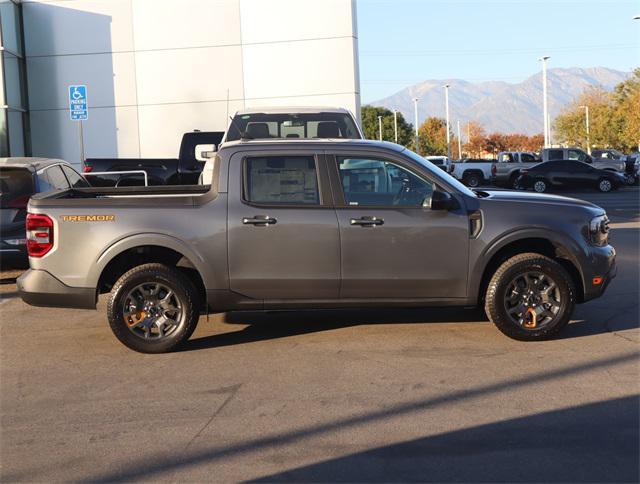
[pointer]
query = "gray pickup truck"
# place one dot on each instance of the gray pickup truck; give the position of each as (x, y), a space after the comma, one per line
(314, 224)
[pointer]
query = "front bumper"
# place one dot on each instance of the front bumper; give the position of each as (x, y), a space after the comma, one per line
(602, 263)
(39, 288)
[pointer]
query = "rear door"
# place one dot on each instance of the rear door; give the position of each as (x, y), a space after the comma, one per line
(283, 234)
(393, 244)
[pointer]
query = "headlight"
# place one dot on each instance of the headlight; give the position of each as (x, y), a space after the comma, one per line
(599, 231)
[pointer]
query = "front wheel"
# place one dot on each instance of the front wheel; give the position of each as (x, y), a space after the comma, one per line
(530, 297)
(605, 185)
(153, 308)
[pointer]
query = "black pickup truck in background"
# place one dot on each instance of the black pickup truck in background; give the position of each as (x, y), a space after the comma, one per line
(185, 170)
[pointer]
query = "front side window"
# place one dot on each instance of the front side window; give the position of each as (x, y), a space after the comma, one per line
(527, 158)
(281, 180)
(576, 155)
(378, 183)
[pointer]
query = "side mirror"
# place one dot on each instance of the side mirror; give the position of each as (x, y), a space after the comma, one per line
(207, 155)
(442, 201)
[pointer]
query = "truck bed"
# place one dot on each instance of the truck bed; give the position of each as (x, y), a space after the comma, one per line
(138, 196)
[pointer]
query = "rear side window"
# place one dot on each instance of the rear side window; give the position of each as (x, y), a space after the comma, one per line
(281, 180)
(75, 180)
(52, 179)
(16, 186)
(555, 155)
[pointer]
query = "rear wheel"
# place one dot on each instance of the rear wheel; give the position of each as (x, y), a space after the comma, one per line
(540, 186)
(153, 308)
(530, 297)
(605, 185)
(472, 180)
(513, 181)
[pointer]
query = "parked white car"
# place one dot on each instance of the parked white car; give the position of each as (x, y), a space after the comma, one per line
(442, 162)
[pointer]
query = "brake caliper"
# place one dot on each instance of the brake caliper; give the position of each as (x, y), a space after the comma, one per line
(530, 319)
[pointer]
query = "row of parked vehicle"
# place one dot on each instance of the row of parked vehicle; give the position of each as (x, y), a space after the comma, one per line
(604, 170)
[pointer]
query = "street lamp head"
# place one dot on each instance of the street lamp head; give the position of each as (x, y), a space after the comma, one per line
(446, 86)
(544, 58)
(637, 17)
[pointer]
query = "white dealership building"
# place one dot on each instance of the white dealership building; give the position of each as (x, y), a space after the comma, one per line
(157, 68)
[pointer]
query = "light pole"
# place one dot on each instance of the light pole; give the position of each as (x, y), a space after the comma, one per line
(586, 121)
(415, 114)
(459, 142)
(395, 125)
(446, 102)
(380, 128)
(545, 107)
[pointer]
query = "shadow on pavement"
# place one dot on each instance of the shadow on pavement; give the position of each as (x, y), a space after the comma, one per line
(281, 324)
(596, 442)
(588, 443)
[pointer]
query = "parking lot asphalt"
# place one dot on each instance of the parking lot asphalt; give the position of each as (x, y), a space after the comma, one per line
(384, 395)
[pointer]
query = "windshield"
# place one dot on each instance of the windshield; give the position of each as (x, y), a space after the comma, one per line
(438, 173)
(292, 125)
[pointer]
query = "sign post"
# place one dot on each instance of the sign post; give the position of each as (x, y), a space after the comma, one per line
(79, 111)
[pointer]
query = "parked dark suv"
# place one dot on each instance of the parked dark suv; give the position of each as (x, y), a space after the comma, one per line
(19, 179)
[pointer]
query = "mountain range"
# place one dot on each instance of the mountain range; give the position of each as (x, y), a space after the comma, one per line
(501, 106)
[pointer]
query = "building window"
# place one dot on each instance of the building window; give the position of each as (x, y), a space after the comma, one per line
(14, 120)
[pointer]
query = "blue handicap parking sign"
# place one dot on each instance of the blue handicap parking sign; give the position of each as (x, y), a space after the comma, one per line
(78, 107)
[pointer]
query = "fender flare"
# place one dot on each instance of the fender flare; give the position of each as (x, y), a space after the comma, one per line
(119, 246)
(571, 251)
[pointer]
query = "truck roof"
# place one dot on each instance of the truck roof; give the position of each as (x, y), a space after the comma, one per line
(292, 109)
(298, 142)
(30, 163)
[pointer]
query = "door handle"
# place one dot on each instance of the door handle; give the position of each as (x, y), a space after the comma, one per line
(259, 220)
(367, 221)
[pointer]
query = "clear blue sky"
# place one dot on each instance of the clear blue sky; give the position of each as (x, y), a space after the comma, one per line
(402, 42)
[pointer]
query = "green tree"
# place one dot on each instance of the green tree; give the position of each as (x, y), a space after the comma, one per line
(432, 137)
(614, 117)
(370, 125)
(626, 99)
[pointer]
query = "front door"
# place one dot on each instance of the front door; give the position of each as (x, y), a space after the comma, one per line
(393, 244)
(282, 230)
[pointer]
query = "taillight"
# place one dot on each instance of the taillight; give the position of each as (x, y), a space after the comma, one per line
(39, 234)
(494, 169)
(87, 168)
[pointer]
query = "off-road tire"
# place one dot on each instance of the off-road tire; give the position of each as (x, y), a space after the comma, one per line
(170, 277)
(494, 301)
